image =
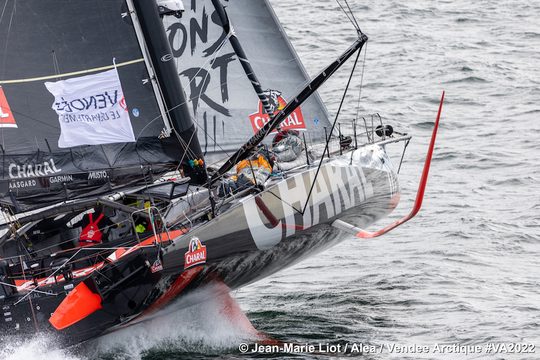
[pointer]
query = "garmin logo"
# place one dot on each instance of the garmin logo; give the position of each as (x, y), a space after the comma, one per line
(33, 170)
(61, 179)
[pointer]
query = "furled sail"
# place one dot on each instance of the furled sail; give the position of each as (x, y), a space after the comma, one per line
(78, 114)
(225, 106)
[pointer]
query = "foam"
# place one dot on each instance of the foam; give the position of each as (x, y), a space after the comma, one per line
(205, 321)
(37, 347)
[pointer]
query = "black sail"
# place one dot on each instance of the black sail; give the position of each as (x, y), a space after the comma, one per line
(46, 41)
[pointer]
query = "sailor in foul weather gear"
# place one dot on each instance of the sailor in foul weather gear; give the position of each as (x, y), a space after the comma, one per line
(253, 171)
(94, 228)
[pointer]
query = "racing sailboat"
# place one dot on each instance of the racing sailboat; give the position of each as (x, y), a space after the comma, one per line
(96, 127)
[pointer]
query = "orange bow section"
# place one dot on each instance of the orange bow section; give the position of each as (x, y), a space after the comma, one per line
(78, 304)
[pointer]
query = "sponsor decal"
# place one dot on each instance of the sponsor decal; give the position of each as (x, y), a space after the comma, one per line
(167, 57)
(157, 266)
(98, 175)
(61, 179)
(33, 170)
(123, 104)
(91, 110)
(23, 184)
(7, 120)
(277, 103)
(337, 189)
(196, 254)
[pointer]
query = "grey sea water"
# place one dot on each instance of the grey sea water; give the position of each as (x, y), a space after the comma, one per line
(466, 270)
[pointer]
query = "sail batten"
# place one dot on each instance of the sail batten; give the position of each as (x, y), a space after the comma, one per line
(75, 73)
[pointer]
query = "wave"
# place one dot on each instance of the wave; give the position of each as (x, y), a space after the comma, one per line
(468, 79)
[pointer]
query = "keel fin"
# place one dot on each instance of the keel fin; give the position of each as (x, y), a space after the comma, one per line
(78, 304)
(233, 312)
(363, 234)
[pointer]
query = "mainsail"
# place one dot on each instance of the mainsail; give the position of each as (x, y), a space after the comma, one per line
(58, 65)
(225, 106)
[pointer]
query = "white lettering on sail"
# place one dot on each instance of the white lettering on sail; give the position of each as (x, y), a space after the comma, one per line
(91, 110)
(15, 185)
(28, 171)
(3, 115)
(61, 179)
(94, 175)
(6, 116)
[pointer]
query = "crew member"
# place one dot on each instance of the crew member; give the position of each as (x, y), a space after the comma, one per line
(257, 168)
(95, 227)
(253, 171)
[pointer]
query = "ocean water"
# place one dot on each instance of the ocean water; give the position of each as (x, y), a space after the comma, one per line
(466, 271)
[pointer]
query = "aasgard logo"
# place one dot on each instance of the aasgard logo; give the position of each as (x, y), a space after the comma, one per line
(196, 254)
(7, 120)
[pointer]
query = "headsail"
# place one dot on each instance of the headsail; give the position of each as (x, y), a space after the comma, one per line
(225, 105)
(43, 41)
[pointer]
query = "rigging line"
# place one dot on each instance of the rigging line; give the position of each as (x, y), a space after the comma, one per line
(204, 67)
(57, 126)
(187, 149)
(1, 18)
(73, 239)
(55, 63)
(331, 131)
(235, 79)
(38, 291)
(348, 16)
(214, 140)
(50, 276)
(7, 37)
(361, 82)
(211, 59)
(3, 12)
(81, 72)
(182, 142)
(220, 48)
(215, 55)
(352, 14)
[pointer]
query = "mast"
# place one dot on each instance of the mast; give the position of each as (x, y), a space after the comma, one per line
(252, 143)
(244, 61)
(161, 57)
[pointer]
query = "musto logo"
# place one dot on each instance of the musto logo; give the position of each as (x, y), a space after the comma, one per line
(277, 103)
(196, 254)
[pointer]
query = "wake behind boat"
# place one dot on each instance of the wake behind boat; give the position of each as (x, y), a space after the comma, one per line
(112, 207)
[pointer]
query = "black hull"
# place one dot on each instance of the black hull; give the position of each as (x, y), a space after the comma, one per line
(254, 238)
